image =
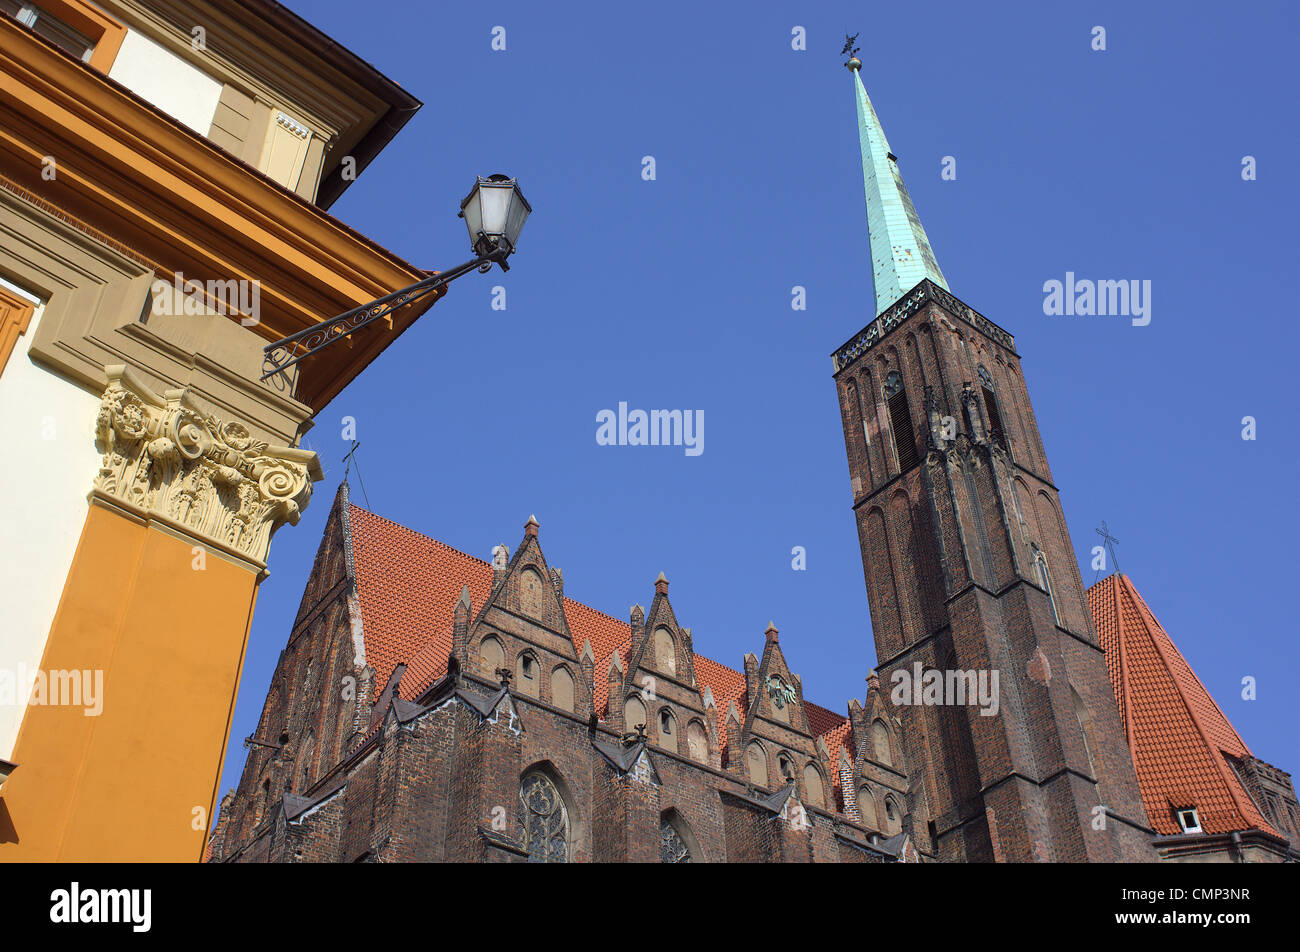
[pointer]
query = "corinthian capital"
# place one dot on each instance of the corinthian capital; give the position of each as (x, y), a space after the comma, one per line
(169, 461)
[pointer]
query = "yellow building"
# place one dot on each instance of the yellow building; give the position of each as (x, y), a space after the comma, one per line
(165, 166)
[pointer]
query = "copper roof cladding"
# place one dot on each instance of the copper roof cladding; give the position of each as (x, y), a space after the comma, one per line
(408, 584)
(1177, 733)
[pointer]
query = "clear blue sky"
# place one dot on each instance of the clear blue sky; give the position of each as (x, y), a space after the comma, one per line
(676, 293)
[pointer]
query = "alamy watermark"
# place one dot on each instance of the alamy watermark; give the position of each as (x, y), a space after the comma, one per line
(683, 428)
(1085, 297)
(233, 298)
(21, 686)
(946, 688)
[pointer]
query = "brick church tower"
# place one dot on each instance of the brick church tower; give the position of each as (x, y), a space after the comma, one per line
(970, 571)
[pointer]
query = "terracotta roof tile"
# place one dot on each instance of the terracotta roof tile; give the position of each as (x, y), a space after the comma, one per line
(1177, 734)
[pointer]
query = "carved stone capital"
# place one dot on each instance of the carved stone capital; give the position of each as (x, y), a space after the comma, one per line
(167, 460)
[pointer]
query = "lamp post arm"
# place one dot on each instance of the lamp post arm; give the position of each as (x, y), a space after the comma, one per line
(284, 353)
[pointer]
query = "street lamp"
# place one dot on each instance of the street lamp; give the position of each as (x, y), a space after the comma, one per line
(494, 211)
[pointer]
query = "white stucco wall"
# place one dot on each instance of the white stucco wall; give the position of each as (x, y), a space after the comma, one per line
(175, 86)
(47, 429)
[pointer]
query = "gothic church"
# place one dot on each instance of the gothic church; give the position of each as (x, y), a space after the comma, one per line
(430, 706)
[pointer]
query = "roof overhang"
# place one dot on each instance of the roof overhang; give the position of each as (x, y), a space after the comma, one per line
(171, 197)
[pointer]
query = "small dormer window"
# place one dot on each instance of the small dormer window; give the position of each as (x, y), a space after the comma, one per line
(1188, 819)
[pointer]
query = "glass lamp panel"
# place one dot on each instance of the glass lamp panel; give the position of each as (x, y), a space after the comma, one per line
(517, 216)
(494, 202)
(473, 214)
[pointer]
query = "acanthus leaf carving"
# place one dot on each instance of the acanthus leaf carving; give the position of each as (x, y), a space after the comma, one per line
(210, 477)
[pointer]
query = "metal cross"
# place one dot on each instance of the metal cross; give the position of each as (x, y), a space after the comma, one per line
(849, 48)
(1110, 543)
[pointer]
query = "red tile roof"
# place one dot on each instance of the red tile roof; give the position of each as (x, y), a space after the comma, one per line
(1177, 734)
(408, 584)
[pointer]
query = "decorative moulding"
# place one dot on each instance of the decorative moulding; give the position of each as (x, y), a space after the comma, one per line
(167, 461)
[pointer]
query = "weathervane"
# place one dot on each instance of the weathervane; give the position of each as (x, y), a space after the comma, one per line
(850, 50)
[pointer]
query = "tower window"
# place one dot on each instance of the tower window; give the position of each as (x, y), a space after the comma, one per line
(900, 421)
(1045, 580)
(996, 432)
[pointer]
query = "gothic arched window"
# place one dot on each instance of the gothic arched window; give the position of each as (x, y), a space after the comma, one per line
(813, 787)
(543, 820)
(786, 766)
(893, 819)
(900, 421)
(562, 688)
(529, 674)
(665, 650)
(880, 740)
(633, 713)
(697, 742)
(491, 656)
(667, 726)
(531, 587)
(1081, 715)
(1045, 580)
(756, 764)
(672, 848)
(996, 432)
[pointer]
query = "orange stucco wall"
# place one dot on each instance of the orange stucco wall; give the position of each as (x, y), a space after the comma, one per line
(170, 641)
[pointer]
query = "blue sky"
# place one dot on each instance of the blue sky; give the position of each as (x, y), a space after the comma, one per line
(676, 293)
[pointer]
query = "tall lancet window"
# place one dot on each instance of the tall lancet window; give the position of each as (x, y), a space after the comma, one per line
(900, 421)
(997, 434)
(1045, 580)
(543, 819)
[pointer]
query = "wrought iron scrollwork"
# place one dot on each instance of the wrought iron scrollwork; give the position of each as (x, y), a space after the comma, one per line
(279, 356)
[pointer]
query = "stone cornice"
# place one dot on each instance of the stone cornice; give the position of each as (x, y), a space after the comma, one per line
(166, 460)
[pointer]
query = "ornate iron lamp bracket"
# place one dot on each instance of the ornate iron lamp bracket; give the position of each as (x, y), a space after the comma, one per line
(286, 352)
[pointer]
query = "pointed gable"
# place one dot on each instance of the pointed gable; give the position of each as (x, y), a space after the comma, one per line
(1180, 738)
(408, 585)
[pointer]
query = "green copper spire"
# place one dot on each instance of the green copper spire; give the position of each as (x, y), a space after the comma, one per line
(900, 251)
